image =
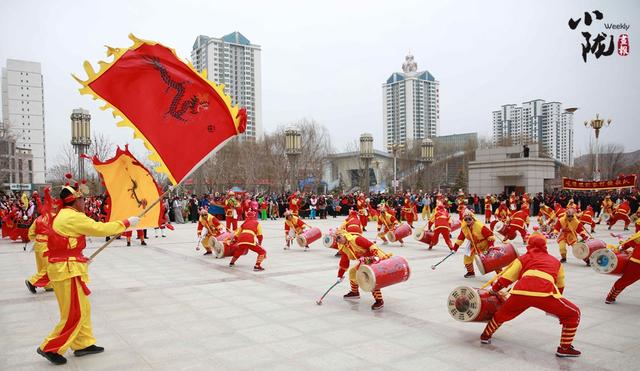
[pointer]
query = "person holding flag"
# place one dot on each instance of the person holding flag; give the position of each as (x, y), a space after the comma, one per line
(69, 275)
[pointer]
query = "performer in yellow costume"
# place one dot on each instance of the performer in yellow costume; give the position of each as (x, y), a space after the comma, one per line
(69, 275)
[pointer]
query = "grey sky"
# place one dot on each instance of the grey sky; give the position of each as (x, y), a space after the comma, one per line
(327, 60)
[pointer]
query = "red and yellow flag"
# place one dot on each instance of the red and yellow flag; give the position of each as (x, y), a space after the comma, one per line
(130, 187)
(181, 116)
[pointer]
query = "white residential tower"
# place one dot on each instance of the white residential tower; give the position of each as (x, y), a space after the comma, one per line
(233, 61)
(411, 105)
(23, 110)
(536, 121)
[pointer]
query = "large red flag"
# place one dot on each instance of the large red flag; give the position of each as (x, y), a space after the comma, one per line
(181, 116)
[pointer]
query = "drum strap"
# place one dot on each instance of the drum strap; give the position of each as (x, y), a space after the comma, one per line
(545, 276)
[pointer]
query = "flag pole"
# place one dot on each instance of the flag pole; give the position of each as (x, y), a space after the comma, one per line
(106, 244)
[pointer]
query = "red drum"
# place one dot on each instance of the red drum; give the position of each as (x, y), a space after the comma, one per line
(496, 258)
(455, 225)
(583, 250)
(424, 236)
(608, 261)
(307, 237)
(383, 273)
(218, 242)
(400, 232)
(227, 249)
(329, 240)
(498, 227)
(468, 304)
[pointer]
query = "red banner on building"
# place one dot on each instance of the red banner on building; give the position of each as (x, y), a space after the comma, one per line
(625, 181)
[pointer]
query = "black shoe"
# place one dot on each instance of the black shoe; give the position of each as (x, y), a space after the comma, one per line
(143, 243)
(52, 357)
(128, 243)
(563, 260)
(257, 268)
(48, 289)
(207, 253)
(379, 304)
(609, 228)
(91, 349)
(351, 295)
(30, 287)
(232, 264)
(469, 275)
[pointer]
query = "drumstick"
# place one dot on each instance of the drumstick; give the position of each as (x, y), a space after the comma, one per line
(198, 244)
(443, 259)
(319, 301)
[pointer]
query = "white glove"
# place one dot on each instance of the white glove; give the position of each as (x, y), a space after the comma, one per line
(133, 221)
(340, 279)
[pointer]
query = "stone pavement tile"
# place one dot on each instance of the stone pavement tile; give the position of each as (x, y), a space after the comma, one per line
(382, 350)
(246, 357)
(112, 359)
(269, 332)
(165, 350)
(343, 337)
(423, 361)
(188, 364)
(307, 345)
(337, 360)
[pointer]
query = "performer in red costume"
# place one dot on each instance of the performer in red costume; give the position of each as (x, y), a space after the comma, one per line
(213, 229)
(386, 222)
(540, 283)
(631, 271)
(621, 213)
(355, 247)
(408, 210)
(586, 218)
(249, 236)
(441, 221)
(487, 209)
(480, 239)
(363, 211)
(518, 223)
(294, 203)
(293, 227)
(231, 205)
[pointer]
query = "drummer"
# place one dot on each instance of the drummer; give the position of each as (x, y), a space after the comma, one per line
(540, 283)
(546, 216)
(386, 223)
(631, 271)
(293, 227)
(479, 236)
(441, 220)
(213, 229)
(352, 223)
(355, 247)
(567, 228)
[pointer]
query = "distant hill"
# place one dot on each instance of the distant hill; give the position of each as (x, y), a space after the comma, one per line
(627, 159)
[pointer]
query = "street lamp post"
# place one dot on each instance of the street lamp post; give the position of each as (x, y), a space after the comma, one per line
(293, 148)
(80, 136)
(597, 124)
(366, 155)
(395, 148)
(426, 152)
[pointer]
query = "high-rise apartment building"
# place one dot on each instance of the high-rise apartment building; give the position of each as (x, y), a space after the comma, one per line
(411, 105)
(23, 110)
(233, 61)
(536, 121)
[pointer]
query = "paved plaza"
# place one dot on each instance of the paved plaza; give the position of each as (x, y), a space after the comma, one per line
(167, 307)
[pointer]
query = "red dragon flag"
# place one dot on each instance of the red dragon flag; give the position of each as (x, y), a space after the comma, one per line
(130, 187)
(181, 116)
